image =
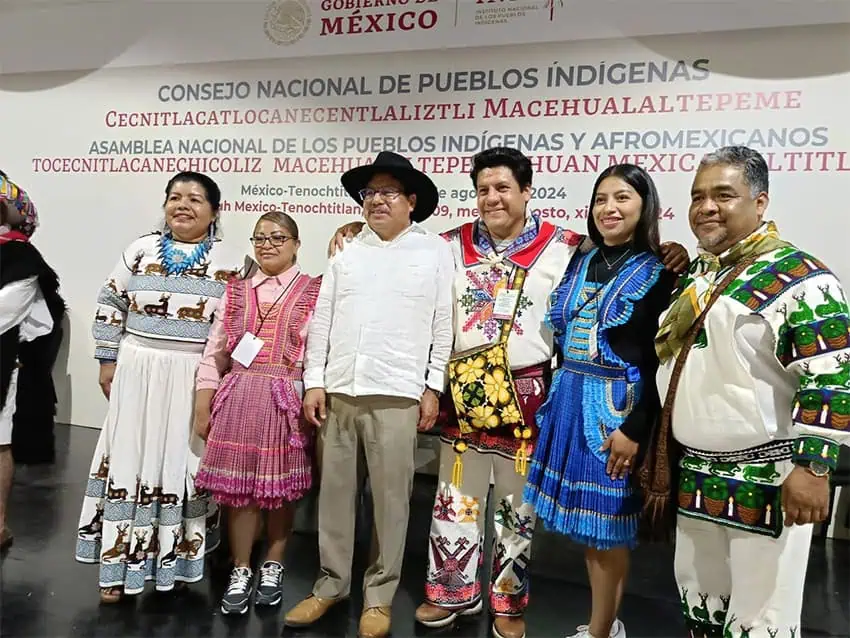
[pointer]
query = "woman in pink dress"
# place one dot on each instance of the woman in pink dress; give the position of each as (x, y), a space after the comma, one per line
(248, 405)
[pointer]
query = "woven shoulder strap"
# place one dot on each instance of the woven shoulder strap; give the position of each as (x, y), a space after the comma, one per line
(518, 283)
(691, 335)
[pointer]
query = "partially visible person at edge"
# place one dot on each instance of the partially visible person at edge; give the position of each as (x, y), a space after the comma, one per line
(488, 254)
(376, 357)
(142, 518)
(30, 307)
(603, 401)
(762, 403)
(248, 408)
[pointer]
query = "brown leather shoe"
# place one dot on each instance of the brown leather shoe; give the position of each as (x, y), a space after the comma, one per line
(509, 627)
(434, 617)
(308, 611)
(375, 623)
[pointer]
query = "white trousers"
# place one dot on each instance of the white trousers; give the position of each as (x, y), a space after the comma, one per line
(459, 525)
(738, 584)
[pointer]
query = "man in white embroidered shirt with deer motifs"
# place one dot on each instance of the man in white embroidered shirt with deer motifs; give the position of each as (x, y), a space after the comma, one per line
(374, 369)
(762, 403)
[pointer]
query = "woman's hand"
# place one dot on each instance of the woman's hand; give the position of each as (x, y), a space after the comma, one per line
(107, 373)
(622, 456)
(203, 412)
(202, 423)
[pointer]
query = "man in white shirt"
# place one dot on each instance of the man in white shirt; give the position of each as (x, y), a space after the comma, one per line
(762, 404)
(375, 366)
(24, 315)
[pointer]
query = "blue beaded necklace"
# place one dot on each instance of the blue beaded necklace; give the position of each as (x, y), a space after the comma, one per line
(175, 261)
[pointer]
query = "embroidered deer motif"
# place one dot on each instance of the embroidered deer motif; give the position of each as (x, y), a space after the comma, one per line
(840, 378)
(154, 269)
(171, 557)
(119, 548)
(96, 524)
(160, 309)
(102, 469)
(116, 320)
(831, 305)
(138, 555)
(223, 275)
(134, 307)
(198, 271)
(190, 547)
(803, 314)
(196, 312)
(134, 270)
(113, 494)
(153, 546)
(112, 286)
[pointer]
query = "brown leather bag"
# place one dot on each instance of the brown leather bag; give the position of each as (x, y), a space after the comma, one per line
(657, 475)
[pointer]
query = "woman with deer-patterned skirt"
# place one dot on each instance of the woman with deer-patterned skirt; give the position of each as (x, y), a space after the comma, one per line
(142, 518)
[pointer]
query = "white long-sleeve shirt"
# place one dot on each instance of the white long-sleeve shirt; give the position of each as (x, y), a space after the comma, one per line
(383, 319)
(21, 303)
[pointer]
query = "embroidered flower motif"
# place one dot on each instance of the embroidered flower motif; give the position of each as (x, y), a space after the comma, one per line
(478, 299)
(510, 414)
(496, 357)
(457, 394)
(484, 417)
(497, 387)
(469, 372)
(468, 512)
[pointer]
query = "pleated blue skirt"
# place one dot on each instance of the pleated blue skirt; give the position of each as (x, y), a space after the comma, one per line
(567, 483)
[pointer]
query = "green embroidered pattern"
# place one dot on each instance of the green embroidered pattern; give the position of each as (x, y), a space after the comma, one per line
(740, 495)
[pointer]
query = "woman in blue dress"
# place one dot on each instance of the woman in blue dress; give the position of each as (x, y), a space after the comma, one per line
(603, 399)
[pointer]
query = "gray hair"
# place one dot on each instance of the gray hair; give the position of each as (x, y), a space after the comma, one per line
(750, 162)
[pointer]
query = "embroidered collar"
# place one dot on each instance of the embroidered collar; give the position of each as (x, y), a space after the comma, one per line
(477, 245)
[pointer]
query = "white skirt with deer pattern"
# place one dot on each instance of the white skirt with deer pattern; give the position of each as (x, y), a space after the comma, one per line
(142, 519)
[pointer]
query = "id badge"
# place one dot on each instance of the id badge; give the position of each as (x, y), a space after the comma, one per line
(592, 342)
(247, 349)
(506, 301)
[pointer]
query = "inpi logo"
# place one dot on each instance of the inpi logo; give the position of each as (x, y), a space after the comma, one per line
(287, 21)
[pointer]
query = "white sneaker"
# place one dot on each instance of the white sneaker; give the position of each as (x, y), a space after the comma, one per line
(618, 630)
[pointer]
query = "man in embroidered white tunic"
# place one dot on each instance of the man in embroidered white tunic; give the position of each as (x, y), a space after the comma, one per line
(762, 404)
(375, 364)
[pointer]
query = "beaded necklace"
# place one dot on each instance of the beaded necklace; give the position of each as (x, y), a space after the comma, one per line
(175, 261)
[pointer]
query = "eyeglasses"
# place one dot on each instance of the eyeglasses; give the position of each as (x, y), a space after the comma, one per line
(275, 240)
(387, 194)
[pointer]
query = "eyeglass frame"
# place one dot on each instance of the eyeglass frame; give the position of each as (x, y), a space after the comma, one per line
(364, 193)
(269, 238)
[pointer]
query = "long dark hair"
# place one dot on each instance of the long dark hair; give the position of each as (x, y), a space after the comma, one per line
(647, 236)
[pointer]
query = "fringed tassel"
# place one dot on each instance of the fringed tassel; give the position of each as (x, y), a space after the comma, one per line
(459, 446)
(521, 460)
(521, 456)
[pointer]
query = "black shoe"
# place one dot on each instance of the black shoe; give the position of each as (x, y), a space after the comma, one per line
(238, 594)
(269, 588)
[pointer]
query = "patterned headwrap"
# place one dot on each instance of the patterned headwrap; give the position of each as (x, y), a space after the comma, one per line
(17, 197)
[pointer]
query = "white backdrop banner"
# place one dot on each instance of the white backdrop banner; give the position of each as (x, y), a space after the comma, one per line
(95, 151)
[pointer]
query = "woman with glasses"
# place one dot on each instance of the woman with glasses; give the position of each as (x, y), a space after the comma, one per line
(142, 519)
(248, 407)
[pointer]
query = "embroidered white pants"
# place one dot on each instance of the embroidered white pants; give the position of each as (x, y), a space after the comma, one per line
(737, 584)
(458, 527)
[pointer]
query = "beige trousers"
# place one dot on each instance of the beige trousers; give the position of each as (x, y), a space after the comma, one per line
(380, 431)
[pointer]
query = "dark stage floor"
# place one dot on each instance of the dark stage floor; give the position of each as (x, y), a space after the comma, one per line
(46, 593)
